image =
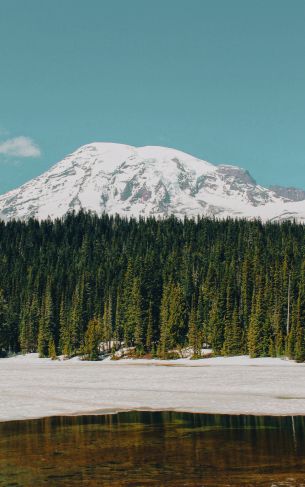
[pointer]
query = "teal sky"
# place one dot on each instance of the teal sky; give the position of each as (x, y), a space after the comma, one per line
(221, 79)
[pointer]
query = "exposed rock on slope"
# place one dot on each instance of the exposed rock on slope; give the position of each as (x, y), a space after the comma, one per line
(147, 181)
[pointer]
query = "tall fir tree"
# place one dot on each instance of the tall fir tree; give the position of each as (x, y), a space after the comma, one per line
(46, 323)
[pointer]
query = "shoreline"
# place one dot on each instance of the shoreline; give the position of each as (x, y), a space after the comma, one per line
(33, 388)
(113, 412)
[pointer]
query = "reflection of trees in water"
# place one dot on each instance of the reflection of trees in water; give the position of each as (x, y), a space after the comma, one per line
(153, 447)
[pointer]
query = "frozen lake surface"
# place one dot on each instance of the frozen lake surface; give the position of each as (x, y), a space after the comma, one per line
(32, 387)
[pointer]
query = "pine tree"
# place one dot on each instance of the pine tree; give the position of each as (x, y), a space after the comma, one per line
(107, 324)
(215, 327)
(178, 317)
(92, 340)
(166, 337)
(150, 326)
(291, 337)
(25, 327)
(52, 349)
(4, 328)
(193, 332)
(45, 334)
(28, 330)
(299, 348)
(119, 319)
(173, 318)
(133, 320)
(64, 330)
(76, 325)
(276, 323)
(233, 336)
(255, 334)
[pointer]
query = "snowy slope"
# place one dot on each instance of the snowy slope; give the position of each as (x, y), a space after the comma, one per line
(146, 181)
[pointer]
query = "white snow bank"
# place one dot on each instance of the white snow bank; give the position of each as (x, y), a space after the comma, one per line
(31, 387)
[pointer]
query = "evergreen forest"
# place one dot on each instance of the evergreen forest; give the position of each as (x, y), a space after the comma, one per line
(235, 286)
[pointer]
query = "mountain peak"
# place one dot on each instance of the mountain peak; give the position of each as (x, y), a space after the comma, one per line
(146, 181)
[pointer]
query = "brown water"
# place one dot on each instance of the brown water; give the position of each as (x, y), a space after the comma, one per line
(153, 449)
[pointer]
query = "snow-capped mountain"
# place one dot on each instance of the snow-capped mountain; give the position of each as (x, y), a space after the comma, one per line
(147, 181)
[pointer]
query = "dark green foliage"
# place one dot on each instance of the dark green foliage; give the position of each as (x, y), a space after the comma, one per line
(149, 330)
(233, 336)
(172, 318)
(4, 326)
(46, 325)
(194, 335)
(93, 338)
(52, 349)
(154, 285)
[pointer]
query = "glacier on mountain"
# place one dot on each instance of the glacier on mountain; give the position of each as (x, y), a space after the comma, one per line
(147, 181)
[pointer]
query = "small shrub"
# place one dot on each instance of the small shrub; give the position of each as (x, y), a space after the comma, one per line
(171, 355)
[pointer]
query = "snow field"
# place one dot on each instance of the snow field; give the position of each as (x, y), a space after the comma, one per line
(31, 387)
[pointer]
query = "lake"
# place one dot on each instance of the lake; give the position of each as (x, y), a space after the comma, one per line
(159, 449)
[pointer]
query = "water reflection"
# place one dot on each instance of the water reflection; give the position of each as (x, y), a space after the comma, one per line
(153, 449)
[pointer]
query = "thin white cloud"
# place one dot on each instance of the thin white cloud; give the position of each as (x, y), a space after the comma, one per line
(20, 147)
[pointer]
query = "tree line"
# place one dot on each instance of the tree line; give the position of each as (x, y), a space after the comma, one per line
(236, 286)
